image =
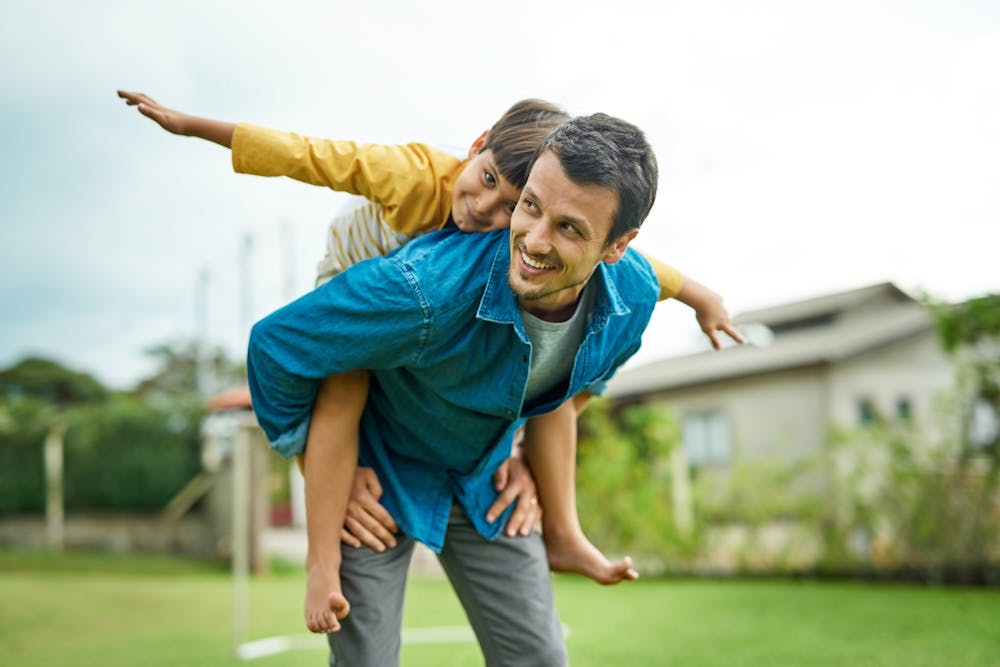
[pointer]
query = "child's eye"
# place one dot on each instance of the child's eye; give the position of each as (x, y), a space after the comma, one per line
(511, 205)
(489, 179)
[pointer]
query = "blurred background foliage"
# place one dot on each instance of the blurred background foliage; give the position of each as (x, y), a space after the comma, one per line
(880, 497)
(124, 450)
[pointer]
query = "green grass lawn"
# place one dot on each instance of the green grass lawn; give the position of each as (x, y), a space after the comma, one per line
(86, 609)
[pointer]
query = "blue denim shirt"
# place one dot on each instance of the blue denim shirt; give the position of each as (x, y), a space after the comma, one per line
(440, 331)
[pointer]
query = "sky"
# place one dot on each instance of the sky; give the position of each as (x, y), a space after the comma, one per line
(805, 147)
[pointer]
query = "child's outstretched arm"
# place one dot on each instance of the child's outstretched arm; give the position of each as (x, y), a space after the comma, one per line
(712, 316)
(177, 122)
(707, 305)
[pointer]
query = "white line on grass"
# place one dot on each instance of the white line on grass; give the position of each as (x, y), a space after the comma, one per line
(448, 634)
(261, 648)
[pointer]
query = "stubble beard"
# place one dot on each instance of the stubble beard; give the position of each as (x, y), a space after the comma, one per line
(526, 296)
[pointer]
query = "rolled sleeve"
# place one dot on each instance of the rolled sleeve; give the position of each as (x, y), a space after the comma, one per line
(367, 317)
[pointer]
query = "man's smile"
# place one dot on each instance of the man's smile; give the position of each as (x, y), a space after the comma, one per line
(536, 264)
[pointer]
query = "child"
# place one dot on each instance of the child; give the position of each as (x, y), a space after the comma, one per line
(419, 189)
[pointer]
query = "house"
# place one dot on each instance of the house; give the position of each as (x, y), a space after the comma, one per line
(843, 359)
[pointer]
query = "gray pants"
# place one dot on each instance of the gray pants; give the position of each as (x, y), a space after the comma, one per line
(503, 585)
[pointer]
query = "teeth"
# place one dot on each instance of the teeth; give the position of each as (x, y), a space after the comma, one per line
(533, 264)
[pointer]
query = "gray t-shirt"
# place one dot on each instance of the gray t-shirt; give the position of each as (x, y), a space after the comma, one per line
(554, 346)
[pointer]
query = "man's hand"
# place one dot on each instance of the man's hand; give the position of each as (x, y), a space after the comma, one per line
(367, 522)
(514, 482)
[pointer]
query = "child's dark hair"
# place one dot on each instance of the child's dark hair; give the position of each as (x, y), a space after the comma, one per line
(518, 134)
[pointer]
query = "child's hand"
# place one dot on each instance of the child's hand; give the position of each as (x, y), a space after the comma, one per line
(709, 311)
(712, 317)
(170, 120)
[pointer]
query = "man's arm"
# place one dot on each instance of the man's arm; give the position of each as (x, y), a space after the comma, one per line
(177, 122)
(366, 317)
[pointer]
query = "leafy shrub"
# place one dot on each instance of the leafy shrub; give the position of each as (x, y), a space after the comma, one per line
(122, 454)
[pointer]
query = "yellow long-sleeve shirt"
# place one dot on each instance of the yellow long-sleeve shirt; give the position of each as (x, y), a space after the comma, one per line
(411, 184)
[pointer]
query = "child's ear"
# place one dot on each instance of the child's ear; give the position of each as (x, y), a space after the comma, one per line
(478, 144)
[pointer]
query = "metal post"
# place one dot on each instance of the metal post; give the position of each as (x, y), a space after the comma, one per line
(241, 535)
(681, 491)
(54, 506)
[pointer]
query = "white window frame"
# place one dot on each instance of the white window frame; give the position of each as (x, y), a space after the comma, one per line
(708, 438)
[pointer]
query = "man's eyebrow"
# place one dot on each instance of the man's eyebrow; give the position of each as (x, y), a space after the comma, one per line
(581, 223)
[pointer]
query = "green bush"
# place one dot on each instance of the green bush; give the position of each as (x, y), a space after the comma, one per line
(122, 454)
(23, 427)
(922, 505)
(623, 482)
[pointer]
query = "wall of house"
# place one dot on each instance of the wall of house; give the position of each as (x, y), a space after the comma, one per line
(916, 370)
(777, 414)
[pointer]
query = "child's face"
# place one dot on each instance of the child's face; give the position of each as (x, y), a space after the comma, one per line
(482, 199)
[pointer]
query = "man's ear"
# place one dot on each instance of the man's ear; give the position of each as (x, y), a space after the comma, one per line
(478, 144)
(618, 248)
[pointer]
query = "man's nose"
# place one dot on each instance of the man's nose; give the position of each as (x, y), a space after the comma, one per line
(536, 237)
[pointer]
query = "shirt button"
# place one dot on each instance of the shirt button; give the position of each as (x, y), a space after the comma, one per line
(509, 413)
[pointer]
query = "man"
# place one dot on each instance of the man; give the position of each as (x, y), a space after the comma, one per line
(465, 337)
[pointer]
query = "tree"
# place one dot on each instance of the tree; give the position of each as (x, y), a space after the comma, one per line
(50, 382)
(970, 333)
(177, 374)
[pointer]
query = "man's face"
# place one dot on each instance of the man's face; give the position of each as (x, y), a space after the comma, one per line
(482, 199)
(558, 235)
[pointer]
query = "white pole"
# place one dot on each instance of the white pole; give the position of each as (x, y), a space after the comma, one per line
(201, 334)
(246, 289)
(54, 506)
(681, 491)
(241, 536)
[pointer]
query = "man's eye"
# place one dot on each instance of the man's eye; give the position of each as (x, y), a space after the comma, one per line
(511, 205)
(489, 179)
(570, 228)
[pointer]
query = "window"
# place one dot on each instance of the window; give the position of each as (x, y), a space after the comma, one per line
(984, 424)
(866, 411)
(707, 439)
(904, 409)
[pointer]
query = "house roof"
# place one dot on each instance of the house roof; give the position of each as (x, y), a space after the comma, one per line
(824, 306)
(844, 325)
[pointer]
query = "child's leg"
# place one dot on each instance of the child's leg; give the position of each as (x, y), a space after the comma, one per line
(550, 447)
(331, 458)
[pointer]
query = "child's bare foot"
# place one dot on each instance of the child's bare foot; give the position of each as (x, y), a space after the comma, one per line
(325, 603)
(575, 553)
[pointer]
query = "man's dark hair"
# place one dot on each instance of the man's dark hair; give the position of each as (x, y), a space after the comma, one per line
(603, 150)
(514, 138)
